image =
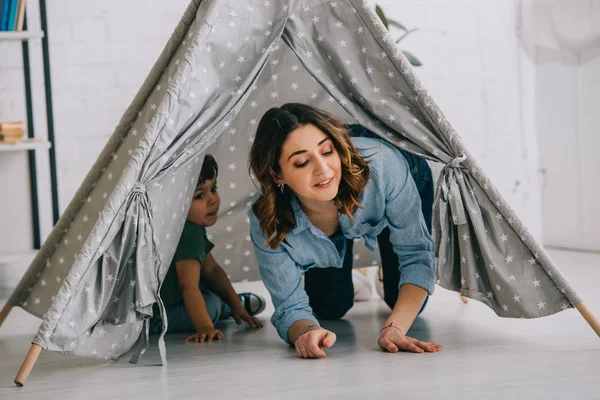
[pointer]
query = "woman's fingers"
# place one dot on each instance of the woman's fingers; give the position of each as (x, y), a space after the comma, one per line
(314, 348)
(413, 347)
(427, 346)
(303, 351)
(329, 339)
(388, 345)
(298, 352)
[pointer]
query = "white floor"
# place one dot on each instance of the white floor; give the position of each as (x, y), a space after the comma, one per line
(484, 358)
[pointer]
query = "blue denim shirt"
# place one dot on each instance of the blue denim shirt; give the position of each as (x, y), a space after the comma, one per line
(390, 198)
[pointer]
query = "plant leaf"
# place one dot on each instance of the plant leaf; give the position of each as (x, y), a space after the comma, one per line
(382, 17)
(397, 24)
(414, 61)
(406, 34)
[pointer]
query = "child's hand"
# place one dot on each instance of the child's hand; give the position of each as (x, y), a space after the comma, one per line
(240, 314)
(207, 333)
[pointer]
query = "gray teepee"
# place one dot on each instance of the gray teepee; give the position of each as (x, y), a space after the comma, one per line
(96, 278)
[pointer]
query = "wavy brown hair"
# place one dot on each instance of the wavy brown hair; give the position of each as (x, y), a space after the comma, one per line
(273, 208)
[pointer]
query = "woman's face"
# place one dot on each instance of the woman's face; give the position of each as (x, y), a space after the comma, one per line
(310, 165)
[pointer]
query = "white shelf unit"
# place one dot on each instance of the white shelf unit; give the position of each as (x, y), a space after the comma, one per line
(34, 142)
(25, 145)
(21, 35)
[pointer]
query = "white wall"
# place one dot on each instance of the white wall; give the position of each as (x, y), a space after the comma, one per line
(569, 135)
(474, 67)
(101, 51)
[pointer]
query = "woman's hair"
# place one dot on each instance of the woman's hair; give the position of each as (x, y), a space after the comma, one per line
(273, 208)
(209, 171)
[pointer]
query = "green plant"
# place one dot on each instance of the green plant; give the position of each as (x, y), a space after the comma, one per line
(414, 61)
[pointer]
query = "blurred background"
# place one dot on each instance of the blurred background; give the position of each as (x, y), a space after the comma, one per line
(518, 79)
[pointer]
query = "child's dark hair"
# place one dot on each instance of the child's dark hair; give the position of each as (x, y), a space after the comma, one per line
(210, 170)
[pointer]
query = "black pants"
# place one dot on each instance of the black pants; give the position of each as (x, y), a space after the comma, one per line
(331, 291)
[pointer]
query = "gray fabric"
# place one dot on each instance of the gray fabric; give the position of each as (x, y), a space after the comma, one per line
(97, 276)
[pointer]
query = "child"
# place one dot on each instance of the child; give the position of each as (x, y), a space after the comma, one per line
(196, 291)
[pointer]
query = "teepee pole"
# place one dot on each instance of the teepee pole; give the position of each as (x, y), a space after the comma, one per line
(587, 314)
(4, 313)
(463, 298)
(28, 363)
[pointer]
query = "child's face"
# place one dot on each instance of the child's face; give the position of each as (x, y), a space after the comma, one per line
(205, 204)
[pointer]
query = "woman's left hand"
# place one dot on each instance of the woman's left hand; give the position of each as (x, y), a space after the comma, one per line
(393, 340)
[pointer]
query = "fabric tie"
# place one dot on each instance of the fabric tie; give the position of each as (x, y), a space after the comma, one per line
(448, 188)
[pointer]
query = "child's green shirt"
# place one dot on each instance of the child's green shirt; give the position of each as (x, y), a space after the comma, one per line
(194, 245)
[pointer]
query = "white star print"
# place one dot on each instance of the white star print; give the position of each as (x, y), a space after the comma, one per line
(512, 278)
(536, 283)
(517, 298)
(504, 238)
(532, 261)
(508, 259)
(541, 305)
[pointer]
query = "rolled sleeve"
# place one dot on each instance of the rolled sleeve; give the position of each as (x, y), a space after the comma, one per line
(409, 236)
(283, 280)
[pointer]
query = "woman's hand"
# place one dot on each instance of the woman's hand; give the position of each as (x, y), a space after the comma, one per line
(392, 339)
(207, 334)
(311, 343)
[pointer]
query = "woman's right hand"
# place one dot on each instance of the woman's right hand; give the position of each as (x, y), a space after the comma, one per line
(311, 343)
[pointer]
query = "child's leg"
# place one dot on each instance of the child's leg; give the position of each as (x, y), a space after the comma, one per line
(179, 320)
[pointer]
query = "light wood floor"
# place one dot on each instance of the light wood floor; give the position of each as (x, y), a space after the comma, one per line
(484, 358)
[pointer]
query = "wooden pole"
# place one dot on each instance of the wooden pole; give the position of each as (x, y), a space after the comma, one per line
(28, 363)
(4, 313)
(464, 299)
(587, 314)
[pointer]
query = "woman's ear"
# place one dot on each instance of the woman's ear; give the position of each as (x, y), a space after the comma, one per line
(276, 178)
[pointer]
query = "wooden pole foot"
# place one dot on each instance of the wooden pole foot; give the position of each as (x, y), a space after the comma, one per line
(28, 363)
(464, 299)
(588, 315)
(4, 313)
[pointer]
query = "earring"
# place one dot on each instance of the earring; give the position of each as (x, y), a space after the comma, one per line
(281, 186)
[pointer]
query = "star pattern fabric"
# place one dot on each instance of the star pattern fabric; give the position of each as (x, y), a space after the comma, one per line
(97, 277)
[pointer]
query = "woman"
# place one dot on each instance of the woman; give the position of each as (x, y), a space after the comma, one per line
(318, 193)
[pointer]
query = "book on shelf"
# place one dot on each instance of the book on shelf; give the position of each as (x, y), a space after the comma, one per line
(12, 132)
(12, 15)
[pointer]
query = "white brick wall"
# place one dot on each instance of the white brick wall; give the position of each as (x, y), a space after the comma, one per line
(101, 52)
